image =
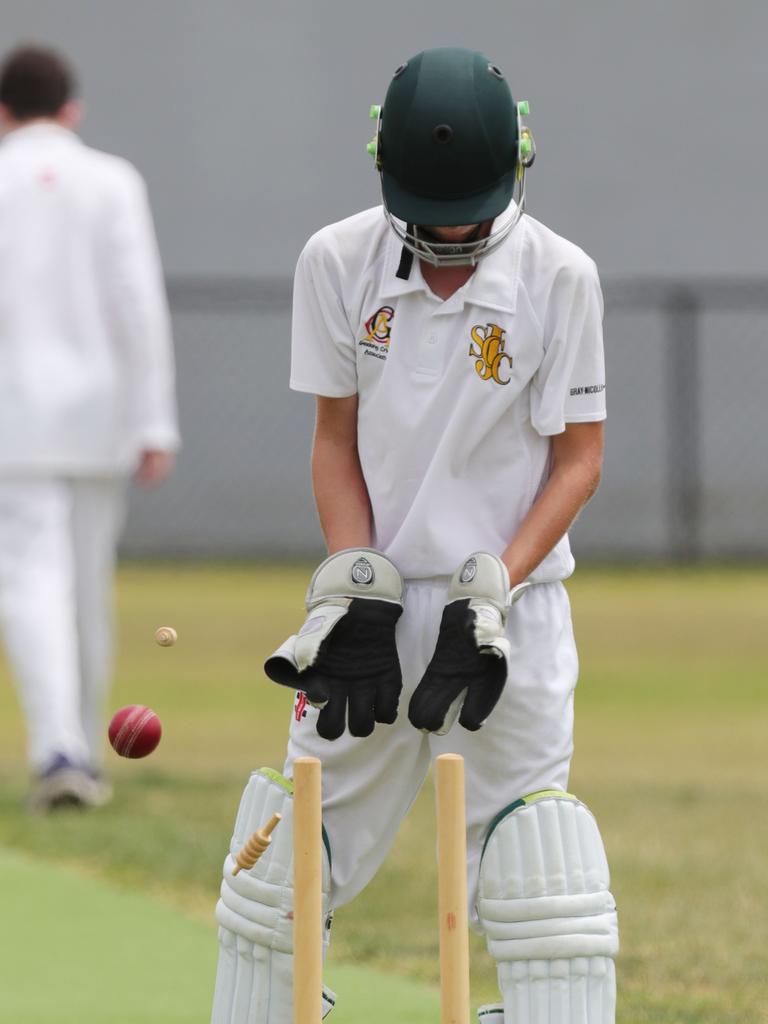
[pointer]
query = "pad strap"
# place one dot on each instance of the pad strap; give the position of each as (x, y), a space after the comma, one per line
(493, 1013)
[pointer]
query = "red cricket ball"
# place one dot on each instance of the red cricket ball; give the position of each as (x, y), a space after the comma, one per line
(135, 731)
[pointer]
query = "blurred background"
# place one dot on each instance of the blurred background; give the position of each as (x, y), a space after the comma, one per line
(249, 123)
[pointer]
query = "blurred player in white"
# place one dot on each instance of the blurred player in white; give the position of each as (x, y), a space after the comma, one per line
(86, 399)
(455, 349)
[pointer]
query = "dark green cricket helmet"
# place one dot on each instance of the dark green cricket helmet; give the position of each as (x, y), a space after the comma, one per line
(451, 146)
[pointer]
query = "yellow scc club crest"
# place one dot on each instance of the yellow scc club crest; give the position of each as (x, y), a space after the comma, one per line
(487, 349)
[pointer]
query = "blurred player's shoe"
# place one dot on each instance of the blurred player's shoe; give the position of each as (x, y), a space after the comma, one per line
(101, 790)
(64, 784)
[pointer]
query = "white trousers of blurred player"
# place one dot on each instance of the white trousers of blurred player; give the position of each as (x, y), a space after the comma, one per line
(57, 556)
(524, 747)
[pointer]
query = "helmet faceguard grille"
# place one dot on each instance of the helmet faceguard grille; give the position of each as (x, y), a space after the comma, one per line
(460, 254)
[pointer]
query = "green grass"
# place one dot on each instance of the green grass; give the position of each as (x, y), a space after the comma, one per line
(86, 950)
(670, 754)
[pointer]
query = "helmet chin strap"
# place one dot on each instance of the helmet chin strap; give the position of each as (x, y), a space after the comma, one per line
(406, 260)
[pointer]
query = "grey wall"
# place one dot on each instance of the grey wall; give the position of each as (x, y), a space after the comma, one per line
(250, 119)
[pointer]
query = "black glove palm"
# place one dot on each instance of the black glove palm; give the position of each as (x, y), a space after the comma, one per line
(357, 670)
(459, 673)
(468, 669)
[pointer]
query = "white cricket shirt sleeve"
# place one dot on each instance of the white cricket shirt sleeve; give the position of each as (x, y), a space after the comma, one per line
(139, 311)
(569, 386)
(323, 358)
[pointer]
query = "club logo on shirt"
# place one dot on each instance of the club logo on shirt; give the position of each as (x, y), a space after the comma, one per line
(487, 349)
(378, 331)
(379, 326)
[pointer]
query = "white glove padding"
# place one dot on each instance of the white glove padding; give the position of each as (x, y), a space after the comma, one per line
(469, 667)
(344, 655)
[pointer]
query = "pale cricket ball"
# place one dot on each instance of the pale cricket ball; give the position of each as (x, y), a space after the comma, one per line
(135, 731)
(166, 636)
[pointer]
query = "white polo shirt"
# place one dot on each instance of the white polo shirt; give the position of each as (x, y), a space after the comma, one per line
(458, 399)
(86, 366)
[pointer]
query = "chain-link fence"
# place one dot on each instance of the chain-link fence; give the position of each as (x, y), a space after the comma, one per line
(686, 474)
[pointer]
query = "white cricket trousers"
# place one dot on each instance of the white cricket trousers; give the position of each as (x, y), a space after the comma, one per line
(525, 745)
(57, 556)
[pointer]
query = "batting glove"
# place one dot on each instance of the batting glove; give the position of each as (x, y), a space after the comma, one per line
(469, 668)
(344, 657)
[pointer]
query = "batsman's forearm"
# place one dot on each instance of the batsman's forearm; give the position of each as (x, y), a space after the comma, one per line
(341, 496)
(566, 492)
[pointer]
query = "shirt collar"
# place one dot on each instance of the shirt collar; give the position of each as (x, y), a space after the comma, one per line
(38, 130)
(393, 286)
(494, 283)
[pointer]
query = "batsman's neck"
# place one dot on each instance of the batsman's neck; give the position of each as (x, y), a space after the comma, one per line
(445, 281)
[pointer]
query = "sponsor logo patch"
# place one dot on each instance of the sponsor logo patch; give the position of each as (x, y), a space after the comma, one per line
(362, 572)
(300, 707)
(469, 571)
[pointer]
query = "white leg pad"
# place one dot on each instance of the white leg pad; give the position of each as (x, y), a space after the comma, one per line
(254, 980)
(549, 917)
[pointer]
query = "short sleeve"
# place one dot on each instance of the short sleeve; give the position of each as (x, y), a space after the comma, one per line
(323, 360)
(569, 386)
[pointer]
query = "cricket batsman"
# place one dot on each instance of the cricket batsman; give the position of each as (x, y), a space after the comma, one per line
(454, 346)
